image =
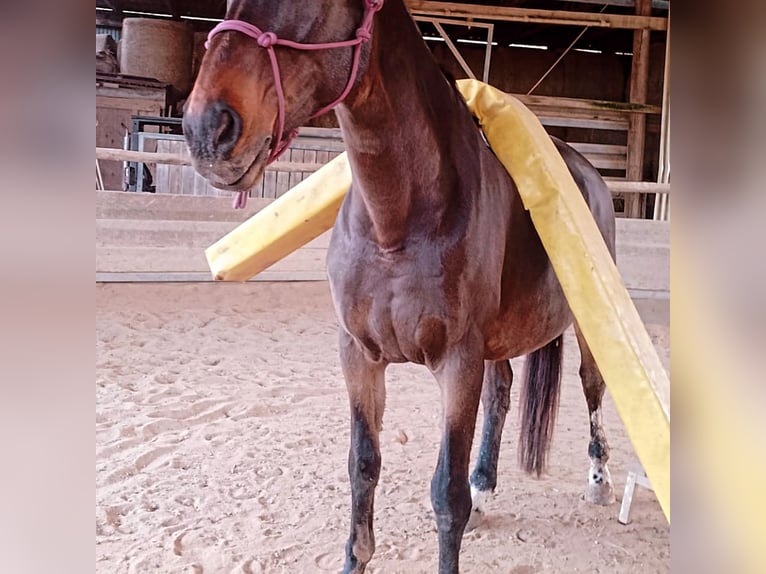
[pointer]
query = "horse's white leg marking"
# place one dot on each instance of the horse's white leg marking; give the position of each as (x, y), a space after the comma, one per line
(479, 500)
(600, 488)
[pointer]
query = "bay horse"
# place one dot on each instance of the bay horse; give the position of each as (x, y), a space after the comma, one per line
(433, 259)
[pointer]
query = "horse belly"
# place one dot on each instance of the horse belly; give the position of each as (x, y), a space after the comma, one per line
(528, 323)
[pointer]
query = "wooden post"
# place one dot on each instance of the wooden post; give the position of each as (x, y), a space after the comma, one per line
(639, 80)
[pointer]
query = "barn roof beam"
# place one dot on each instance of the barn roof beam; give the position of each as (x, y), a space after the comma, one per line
(535, 16)
(656, 4)
(437, 24)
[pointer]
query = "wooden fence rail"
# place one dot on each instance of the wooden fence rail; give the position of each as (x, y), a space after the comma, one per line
(113, 154)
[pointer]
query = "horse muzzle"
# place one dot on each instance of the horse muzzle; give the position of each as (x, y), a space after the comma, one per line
(215, 136)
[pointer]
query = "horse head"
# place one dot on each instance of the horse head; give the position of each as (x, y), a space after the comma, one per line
(270, 67)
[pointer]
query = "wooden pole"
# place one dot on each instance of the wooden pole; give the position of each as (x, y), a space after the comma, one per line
(114, 154)
(488, 54)
(663, 173)
(454, 50)
(637, 187)
(639, 81)
(556, 63)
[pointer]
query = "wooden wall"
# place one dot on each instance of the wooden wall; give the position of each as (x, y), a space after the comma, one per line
(114, 108)
(318, 145)
(601, 133)
(578, 75)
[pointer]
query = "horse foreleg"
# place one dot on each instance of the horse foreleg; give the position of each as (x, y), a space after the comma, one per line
(495, 399)
(460, 380)
(600, 489)
(366, 392)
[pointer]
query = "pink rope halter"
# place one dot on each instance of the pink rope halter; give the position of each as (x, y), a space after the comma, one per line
(268, 40)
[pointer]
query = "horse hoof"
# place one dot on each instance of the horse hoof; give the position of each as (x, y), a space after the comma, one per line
(353, 568)
(600, 490)
(476, 518)
(478, 500)
(601, 494)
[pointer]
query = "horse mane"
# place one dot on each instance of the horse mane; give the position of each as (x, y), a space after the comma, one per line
(452, 81)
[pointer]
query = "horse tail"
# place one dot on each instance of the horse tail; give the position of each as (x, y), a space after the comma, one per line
(539, 403)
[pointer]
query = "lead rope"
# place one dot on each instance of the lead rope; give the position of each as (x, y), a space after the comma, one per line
(268, 40)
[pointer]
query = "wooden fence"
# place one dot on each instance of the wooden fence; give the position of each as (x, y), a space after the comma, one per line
(596, 129)
(313, 148)
(161, 237)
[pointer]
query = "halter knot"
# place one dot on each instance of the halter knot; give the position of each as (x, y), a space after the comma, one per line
(363, 34)
(267, 39)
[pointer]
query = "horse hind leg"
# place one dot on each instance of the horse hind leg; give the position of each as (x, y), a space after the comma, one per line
(600, 489)
(495, 400)
(365, 381)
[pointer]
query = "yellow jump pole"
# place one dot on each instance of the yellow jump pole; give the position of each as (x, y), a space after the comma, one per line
(303, 213)
(601, 305)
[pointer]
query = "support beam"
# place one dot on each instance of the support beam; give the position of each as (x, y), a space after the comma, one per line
(563, 54)
(556, 63)
(637, 187)
(661, 205)
(488, 53)
(437, 23)
(454, 50)
(658, 4)
(639, 81)
(512, 14)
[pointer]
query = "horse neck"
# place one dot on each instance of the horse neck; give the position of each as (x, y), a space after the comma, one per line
(405, 132)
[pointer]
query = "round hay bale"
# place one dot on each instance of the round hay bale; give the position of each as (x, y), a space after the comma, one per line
(160, 49)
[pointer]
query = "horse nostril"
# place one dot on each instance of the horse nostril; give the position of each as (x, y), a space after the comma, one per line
(213, 132)
(226, 127)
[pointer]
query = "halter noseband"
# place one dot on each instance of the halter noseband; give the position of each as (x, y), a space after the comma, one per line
(268, 40)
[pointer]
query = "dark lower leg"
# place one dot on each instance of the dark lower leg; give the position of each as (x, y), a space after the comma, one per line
(451, 497)
(495, 399)
(366, 391)
(363, 471)
(460, 380)
(600, 489)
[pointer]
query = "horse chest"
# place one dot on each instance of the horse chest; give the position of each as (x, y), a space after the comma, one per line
(394, 309)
